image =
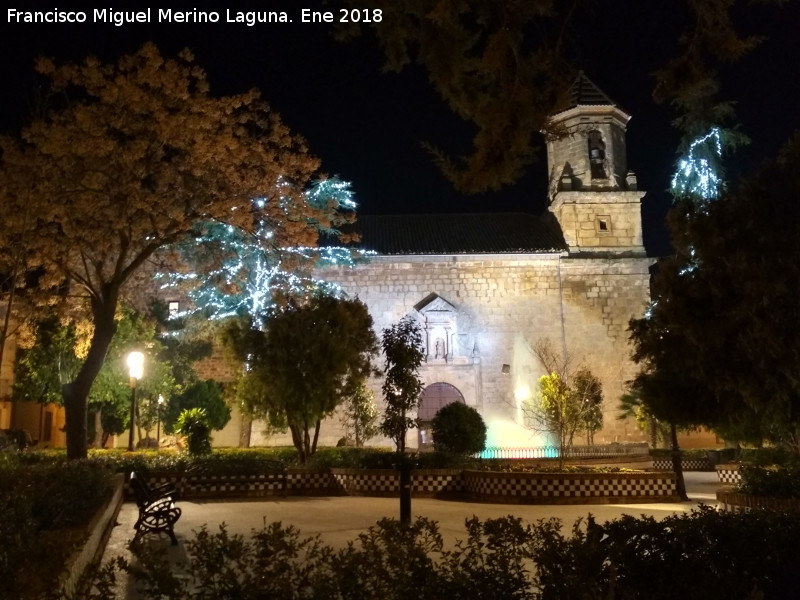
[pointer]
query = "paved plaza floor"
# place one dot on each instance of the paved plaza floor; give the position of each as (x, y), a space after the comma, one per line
(339, 519)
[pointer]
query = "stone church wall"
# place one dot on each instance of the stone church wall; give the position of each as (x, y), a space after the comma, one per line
(500, 307)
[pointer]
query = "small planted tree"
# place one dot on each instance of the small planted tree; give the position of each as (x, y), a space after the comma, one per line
(459, 429)
(205, 394)
(402, 348)
(193, 423)
(360, 418)
(569, 403)
(312, 355)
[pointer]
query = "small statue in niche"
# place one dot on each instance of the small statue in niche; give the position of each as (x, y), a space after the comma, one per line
(438, 347)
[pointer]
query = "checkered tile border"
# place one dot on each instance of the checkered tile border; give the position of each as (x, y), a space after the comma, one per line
(522, 486)
(515, 487)
(687, 464)
(261, 484)
(380, 483)
(297, 481)
(728, 474)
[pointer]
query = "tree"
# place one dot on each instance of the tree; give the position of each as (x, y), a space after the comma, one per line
(206, 395)
(313, 353)
(125, 161)
(570, 402)
(239, 272)
(403, 353)
(193, 423)
(718, 345)
(360, 418)
(504, 67)
(459, 429)
(55, 355)
(499, 68)
(589, 394)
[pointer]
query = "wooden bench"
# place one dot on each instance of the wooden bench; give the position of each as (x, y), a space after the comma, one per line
(157, 510)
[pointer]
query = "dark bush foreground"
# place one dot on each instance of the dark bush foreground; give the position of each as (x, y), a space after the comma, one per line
(43, 510)
(701, 555)
(773, 481)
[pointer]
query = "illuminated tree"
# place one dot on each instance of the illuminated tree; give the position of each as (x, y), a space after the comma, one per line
(239, 272)
(127, 159)
(570, 399)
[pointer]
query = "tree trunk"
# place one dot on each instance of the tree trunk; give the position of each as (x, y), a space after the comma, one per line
(652, 431)
(316, 437)
(76, 392)
(245, 432)
(297, 440)
(676, 463)
(98, 439)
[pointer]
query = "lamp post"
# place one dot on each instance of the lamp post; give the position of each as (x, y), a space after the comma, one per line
(135, 369)
(158, 421)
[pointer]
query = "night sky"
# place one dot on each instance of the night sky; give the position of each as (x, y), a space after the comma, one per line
(367, 126)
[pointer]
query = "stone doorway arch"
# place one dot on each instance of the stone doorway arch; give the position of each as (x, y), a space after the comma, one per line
(433, 398)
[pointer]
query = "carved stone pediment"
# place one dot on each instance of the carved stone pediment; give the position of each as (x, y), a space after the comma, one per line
(439, 320)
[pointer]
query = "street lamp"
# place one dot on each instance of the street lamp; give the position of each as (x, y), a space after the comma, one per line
(135, 369)
(158, 416)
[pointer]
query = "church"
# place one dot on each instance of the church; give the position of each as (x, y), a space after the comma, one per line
(487, 288)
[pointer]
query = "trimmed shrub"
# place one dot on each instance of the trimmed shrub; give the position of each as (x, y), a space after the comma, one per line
(773, 481)
(193, 423)
(459, 429)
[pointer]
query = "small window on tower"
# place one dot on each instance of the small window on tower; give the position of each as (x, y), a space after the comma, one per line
(174, 308)
(603, 224)
(597, 155)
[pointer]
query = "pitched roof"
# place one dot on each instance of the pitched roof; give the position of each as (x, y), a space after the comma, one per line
(584, 92)
(506, 233)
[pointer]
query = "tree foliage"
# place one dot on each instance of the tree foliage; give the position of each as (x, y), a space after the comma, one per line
(458, 429)
(193, 423)
(500, 67)
(55, 357)
(570, 400)
(312, 355)
(124, 161)
(205, 394)
(504, 67)
(360, 415)
(403, 354)
(242, 272)
(720, 342)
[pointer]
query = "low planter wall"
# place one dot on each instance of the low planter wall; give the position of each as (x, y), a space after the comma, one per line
(543, 488)
(570, 488)
(386, 482)
(99, 530)
(729, 473)
(731, 501)
(308, 482)
(687, 464)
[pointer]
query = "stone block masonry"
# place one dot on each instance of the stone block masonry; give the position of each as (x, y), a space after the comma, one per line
(499, 307)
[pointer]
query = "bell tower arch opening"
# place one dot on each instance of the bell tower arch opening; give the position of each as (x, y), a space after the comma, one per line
(434, 397)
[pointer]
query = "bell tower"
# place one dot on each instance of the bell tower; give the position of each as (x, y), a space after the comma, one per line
(592, 193)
